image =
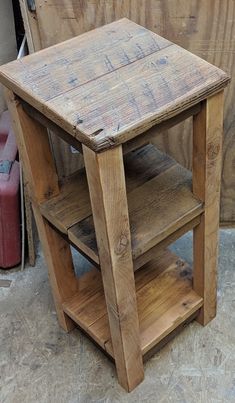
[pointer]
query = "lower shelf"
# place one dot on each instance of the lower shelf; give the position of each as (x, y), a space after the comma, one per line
(165, 300)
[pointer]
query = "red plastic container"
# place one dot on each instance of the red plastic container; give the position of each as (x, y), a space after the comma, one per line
(10, 244)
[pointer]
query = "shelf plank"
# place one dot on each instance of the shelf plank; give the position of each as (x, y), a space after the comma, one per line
(165, 300)
(160, 207)
(157, 209)
(72, 204)
(160, 201)
(163, 245)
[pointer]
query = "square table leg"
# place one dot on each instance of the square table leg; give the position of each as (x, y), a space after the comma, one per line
(40, 172)
(106, 182)
(207, 157)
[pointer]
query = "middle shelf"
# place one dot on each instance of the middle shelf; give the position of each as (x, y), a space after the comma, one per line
(160, 202)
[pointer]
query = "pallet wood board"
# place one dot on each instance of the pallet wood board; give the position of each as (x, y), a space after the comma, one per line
(160, 201)
(165, 299)
(206, 29)
(156, 209)
(113, 83)
(141, 166)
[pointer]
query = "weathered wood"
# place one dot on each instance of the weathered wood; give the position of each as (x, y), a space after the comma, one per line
(57, 130)
(151, 134)
(64, 283)
(160, 207)
(136, 79)
(156, 209)
(32, 235)
(33, 144)
(106, 181)
(161, 246)
(34, 147)
(169, 337)
(109, 104)
(31, 27)
(131, 145)
(164, 295)
(181, 22)
(33, 44)
(140, 167)
(91, 253)
(71, 205)
(160, 201)
(207, 158)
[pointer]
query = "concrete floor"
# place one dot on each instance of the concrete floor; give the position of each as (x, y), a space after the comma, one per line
(41, 363)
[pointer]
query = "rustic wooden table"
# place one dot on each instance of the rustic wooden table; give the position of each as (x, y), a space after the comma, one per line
(108, 93)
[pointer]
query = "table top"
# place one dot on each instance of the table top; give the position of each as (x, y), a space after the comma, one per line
(111, 84)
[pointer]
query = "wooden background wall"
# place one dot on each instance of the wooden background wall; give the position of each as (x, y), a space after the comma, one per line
(205, 27)
(8, 50)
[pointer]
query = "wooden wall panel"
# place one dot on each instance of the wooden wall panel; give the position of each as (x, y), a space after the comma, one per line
(8, 49)
(31, 27)
(206, 27)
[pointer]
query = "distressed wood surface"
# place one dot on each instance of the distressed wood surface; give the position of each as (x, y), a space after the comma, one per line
(165, 299)
(156, 209)
(57, 252)
(140, 166)
(40, 173)
(131, 145)
(156, 184)
(107, 189)
(33, 144)
(207, 157)
(111, 84)
(31, 27)
(206, 28)
(162, 246)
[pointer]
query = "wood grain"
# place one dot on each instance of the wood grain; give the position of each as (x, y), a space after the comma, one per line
(206, 29)
(207, 156)
(39, 169)
(131, 145)
(63, 281)
(31, 27)
(161, 246)
(160, 202)
(156, 210)
(106, 181)
(136, 80)
(164, 296)
(140, 166)
(57, 131)
(34, 147)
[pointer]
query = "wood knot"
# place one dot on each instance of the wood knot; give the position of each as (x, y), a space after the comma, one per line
(122, 245)
(185, 273)
(180, 263)
(49, 192)
(213, 151)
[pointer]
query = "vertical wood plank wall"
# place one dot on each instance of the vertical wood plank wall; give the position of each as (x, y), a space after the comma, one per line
(205, 27)
(8, 48)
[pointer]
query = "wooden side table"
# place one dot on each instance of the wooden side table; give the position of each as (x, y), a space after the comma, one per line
(108, 93)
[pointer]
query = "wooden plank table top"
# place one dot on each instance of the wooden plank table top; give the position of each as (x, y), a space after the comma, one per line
(111, 84)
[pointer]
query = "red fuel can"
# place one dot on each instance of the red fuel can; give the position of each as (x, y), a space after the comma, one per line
(10, 243)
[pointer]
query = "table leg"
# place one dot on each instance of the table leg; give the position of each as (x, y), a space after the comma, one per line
(63, 281)
(106, 181)
(207, 156)
(40, 172)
